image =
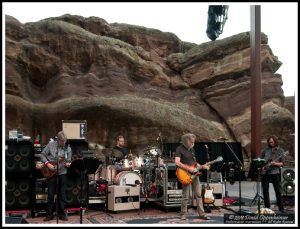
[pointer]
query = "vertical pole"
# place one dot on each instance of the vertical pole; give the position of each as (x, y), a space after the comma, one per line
(255, 74)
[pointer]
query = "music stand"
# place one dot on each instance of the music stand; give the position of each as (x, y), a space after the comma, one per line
(87, 165)
(258, 163)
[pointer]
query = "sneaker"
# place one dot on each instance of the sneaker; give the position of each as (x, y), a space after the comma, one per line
(204, 217)
(183, 217)
(63, 217)
(48, 218)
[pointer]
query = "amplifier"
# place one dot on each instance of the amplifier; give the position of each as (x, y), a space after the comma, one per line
(75, 129)
(174, 196)
(122, 198)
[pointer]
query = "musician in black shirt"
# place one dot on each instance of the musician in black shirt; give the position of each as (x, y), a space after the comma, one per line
(120, 146)
(185, 159)
(272, 175)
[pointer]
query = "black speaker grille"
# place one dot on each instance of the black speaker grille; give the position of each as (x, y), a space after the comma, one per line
(18, 194)
(288, 188)
(288, 175)
(18, 158)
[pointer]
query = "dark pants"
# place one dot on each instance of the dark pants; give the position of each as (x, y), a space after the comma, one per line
(61, 189)
(275, 180)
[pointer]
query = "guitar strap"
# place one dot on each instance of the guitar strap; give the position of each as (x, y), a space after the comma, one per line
(193, 153)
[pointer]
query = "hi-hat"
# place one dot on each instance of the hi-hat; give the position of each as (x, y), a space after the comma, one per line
(110, 152)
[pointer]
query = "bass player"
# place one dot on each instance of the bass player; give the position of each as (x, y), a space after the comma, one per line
(185, 159)
(272, 173)
(53, 152)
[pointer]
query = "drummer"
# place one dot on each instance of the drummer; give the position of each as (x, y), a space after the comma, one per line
(120, 146)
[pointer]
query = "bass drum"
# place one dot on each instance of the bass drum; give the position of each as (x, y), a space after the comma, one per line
(127, 178)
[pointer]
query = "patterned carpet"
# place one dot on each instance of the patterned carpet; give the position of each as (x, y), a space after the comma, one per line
(145, 216)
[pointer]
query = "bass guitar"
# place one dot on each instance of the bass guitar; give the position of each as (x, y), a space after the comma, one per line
(186, 177)
(268, 166)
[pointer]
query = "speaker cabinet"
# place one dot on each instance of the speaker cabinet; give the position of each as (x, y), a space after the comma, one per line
(73, 192)
(18, 158)
(288, 181)
(18, 194)
(122, 198)
(218, 192)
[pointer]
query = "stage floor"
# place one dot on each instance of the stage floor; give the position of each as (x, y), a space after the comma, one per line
(151, 213)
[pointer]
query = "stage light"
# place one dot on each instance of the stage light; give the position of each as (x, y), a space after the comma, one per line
(217, 16)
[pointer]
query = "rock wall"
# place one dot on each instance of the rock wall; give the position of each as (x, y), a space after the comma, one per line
(138, 82)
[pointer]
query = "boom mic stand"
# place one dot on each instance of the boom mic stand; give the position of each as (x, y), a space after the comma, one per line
(240, 174)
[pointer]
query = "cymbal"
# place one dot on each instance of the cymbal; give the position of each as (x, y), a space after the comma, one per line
(99, 155)
(110, 152)
(95, 146)
(154, 151)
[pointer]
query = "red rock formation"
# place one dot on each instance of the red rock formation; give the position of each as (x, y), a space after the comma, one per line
(135, 81)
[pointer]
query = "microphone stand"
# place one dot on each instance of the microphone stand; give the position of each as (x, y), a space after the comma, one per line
(57, 183)
(240, 173)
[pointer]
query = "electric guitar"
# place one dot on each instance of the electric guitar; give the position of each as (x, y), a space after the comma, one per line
(208, 195)
(186, 177)
(47, 173)
(268, 166)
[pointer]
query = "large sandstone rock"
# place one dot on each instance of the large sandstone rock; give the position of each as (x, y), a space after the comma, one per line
(135, 81)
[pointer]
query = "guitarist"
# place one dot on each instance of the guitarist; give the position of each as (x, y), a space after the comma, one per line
(185, 158)
(272, 173)
(49, 155)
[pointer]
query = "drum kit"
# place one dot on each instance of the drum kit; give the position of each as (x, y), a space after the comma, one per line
(135, 169)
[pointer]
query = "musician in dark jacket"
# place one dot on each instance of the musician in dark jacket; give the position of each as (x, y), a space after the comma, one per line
(57, 151)
(185, 159)
(272, 172)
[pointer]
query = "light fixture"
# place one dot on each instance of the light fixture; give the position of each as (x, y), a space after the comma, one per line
(217, 16)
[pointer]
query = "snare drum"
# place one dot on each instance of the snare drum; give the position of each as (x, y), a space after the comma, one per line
(126, 164)
(127, 177)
